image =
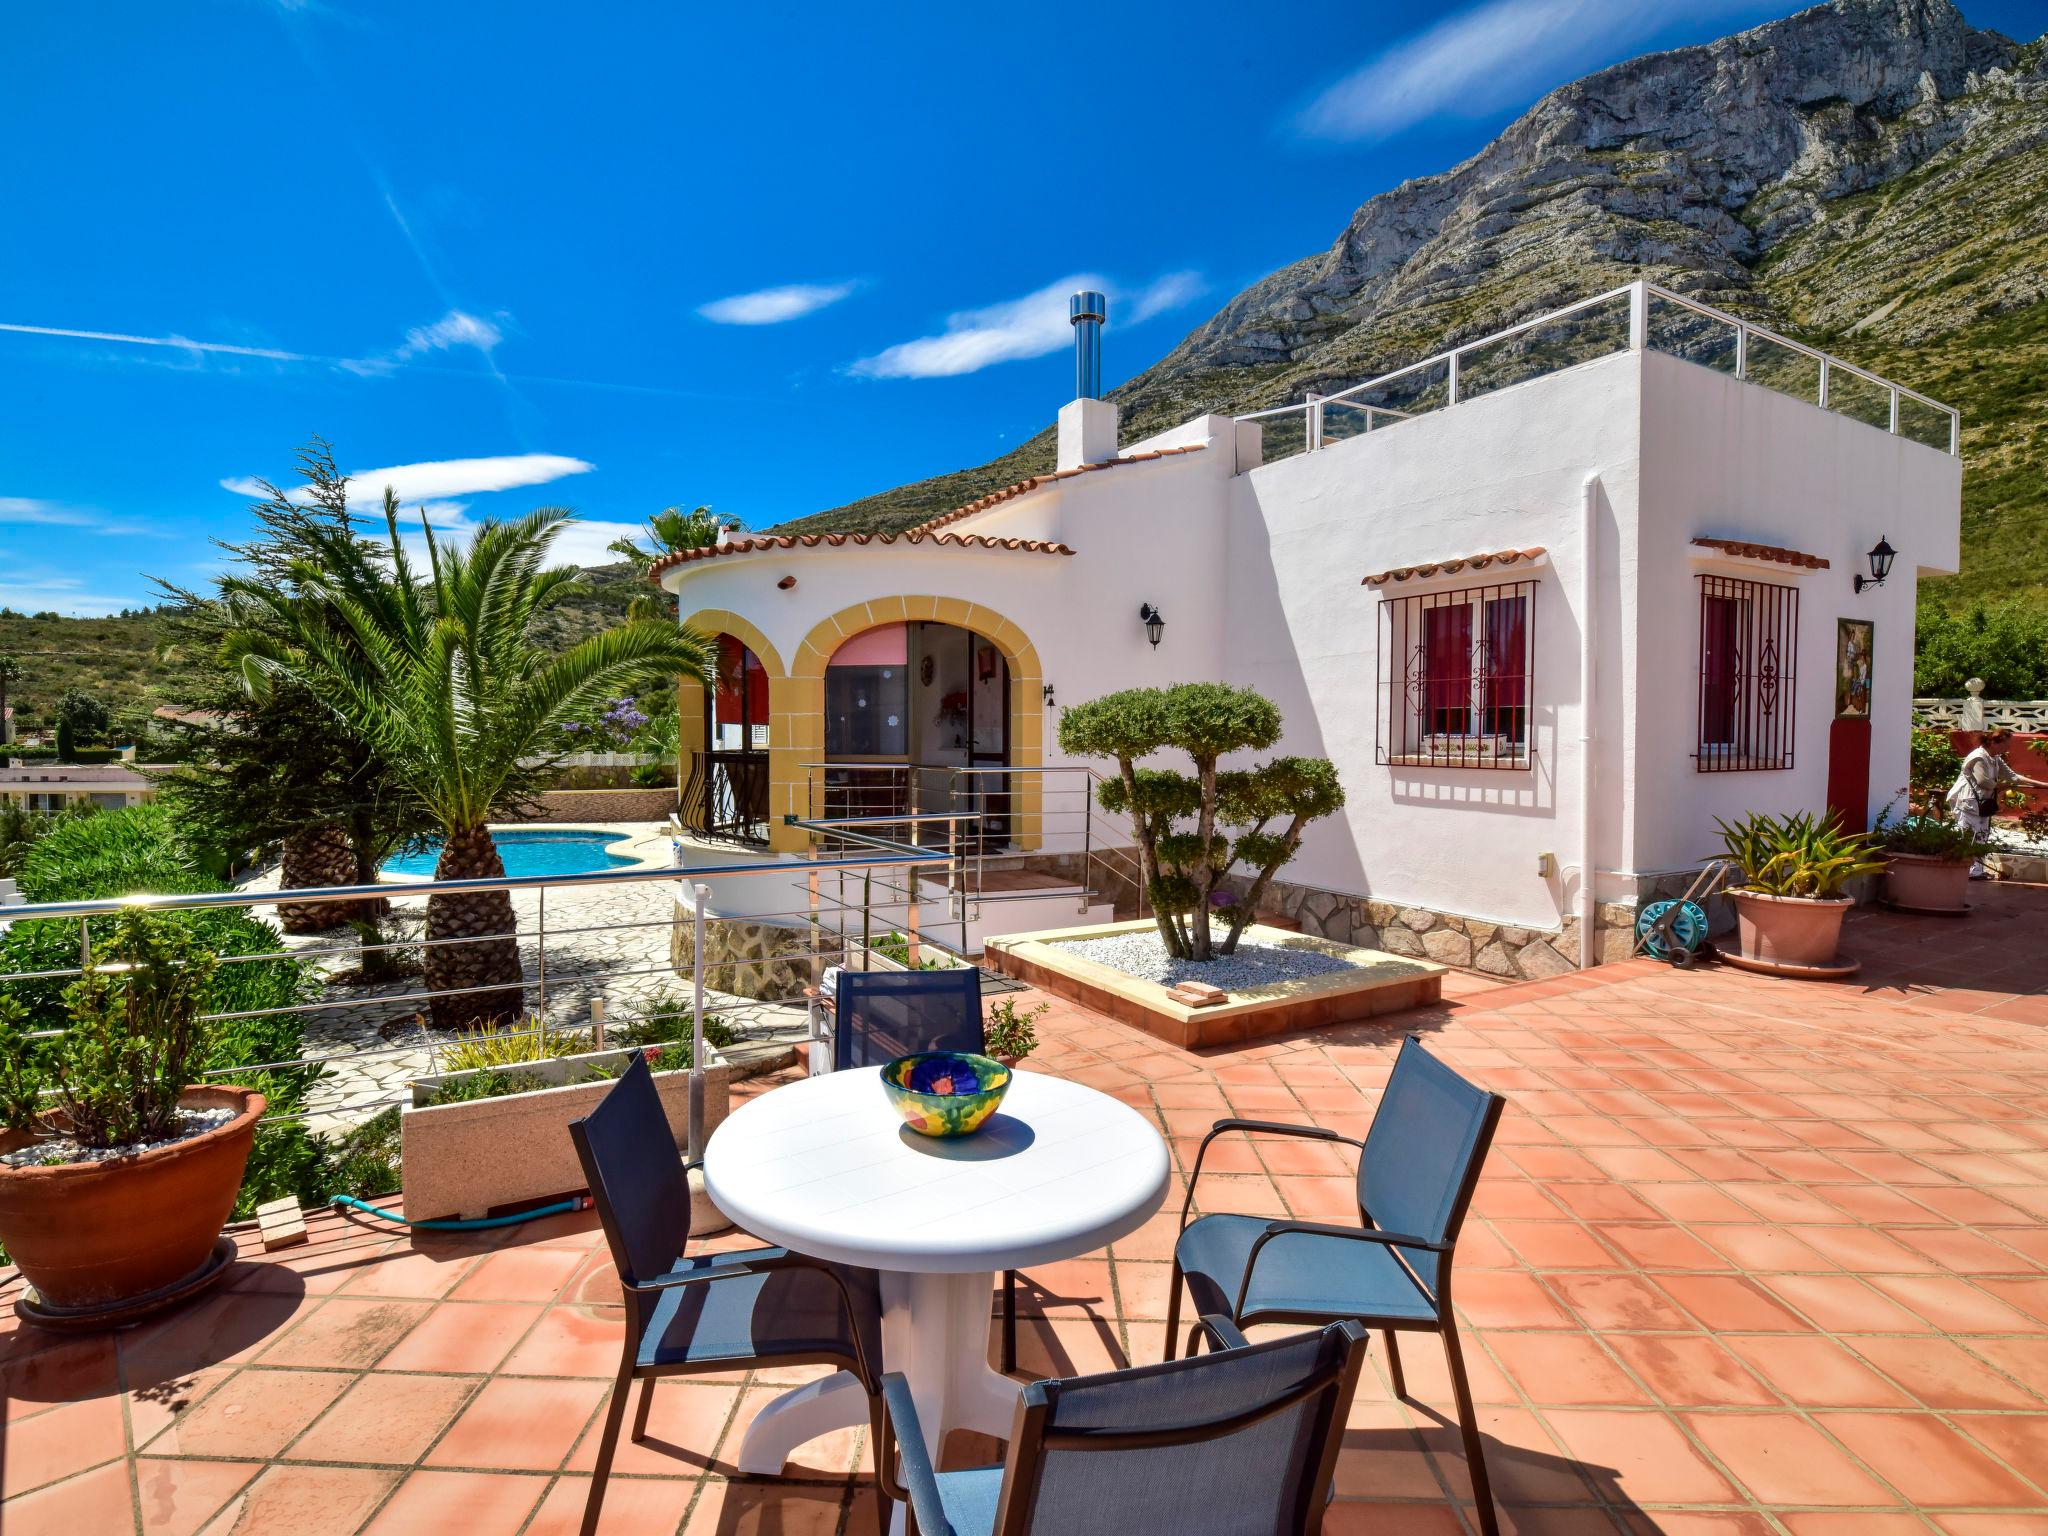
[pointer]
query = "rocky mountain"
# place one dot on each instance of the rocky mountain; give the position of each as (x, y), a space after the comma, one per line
(1870, 176)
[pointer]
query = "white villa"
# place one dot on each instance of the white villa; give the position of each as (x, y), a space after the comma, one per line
(1551, 602)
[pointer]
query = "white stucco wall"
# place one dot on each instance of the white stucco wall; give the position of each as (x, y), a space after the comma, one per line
(1721, 457)
(1507, 470)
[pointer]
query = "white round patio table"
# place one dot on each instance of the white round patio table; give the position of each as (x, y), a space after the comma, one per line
(825, 1166)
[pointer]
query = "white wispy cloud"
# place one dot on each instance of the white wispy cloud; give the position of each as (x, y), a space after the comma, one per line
(181, 343)
(457, 328)
(579, 543)
(772, 306)
(1497, 55)
(44, 590)
(442, 480)
(63, 514)
(1018, 328)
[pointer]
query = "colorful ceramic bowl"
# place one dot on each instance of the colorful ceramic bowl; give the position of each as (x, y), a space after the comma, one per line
(945, 1093)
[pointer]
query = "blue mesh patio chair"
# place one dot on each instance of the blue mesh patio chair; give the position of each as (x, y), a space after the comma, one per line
(716, 1312)
(1417, 1168)
(881, 1015)
(1242, 1442)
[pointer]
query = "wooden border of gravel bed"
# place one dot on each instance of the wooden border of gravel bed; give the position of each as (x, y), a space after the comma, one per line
(1378, 982)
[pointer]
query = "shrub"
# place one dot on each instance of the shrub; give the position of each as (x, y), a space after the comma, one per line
(1930, 834)
(509, 1045)
(1185, 869)
(1010, 1033)
(1798, 855)
(2006, 644)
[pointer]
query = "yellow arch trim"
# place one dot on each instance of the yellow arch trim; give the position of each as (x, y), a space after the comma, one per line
(722, 621)
(828, 634)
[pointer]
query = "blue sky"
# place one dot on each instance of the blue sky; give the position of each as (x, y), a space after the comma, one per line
(627, 256)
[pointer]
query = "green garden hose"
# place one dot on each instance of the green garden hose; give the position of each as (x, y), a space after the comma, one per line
(351, 1203)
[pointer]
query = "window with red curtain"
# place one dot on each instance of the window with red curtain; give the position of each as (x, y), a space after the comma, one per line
(739, 701)
(1720, 669)
(1447, 668)
(1504, 689)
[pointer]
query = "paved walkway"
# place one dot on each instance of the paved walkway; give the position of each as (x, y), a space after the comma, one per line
(1750, 1258)
(602, 942)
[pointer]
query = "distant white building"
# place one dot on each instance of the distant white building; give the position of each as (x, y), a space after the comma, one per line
(60, 786)
(1552, 603)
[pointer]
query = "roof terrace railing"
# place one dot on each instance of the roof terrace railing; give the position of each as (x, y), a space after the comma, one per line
(1636, 317)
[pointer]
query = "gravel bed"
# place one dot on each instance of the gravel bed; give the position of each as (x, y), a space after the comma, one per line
(1256, 964)
(62, 1149)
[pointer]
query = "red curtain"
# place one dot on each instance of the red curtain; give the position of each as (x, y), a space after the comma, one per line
(1720, 637)
(1447, 668)
(741, 697)
(1505, 690)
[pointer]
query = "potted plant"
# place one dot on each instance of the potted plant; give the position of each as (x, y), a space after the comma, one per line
(1927, 859)
(1009, 1035)
(115, 1174)
(1790, 905)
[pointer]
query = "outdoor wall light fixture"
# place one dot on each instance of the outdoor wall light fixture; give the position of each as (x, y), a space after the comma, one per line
(1880, 565)
(1154, 622)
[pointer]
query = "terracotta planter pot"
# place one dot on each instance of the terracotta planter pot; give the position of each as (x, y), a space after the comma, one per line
(1926, 883)
(96, 1235)
(1789, 930)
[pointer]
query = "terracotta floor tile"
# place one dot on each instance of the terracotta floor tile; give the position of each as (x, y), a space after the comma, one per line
(571, 1341)
(1506, 1299)
(1691, 1371)
(410, 1275)
(385, 1418)
(304, 1501)
(685, 1429)
(1953, 1305)
(1349, 1517)
(2018, 1439)
(518, 1274)
(256, 1412)
(1861, 1523)
(644, 1506)
(1659, 1245)
(518, 1426)
(1639, 1457)
(225, 1330)
(1555, 1245)
(55, 1444)
(473, 1503)
(1563, 1368)
(1382, 1456)
(758, 1509)
(1729, 1303)
(1927, 1461)
(1941, 1374)
(1781, 1459)
(1843, 1304)
(346, 1332)
(1522, 1458)
(98, 1501)
(1815, 1373)
(1617, 1302)
(62, 1371)
(468, 1338)
(177, 1498)
(1759, 1249)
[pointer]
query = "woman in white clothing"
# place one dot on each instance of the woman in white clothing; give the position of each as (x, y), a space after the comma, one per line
(1973, 798)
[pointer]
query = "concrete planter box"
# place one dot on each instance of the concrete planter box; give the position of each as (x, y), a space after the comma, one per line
(467, 1159)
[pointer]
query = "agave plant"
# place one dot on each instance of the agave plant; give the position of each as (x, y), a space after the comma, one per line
(1798, 855)
(441, 671)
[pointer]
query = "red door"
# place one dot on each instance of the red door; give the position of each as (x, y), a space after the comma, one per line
(1849, 772)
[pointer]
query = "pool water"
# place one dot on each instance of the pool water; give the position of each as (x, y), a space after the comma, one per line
(527, 853)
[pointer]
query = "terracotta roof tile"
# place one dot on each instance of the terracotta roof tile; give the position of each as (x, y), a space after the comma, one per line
(1452, 567)
(1771, 552)
(926, 532)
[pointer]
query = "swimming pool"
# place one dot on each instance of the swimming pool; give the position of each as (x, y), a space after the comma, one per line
(527, 853)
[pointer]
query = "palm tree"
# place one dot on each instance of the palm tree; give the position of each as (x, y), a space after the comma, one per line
(668, 532)
(440, 671)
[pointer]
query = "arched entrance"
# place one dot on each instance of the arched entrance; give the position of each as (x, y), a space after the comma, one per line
(726, 731)
(917, 721)
(800, 720)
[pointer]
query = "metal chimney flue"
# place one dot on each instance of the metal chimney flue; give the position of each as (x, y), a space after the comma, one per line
(1087, 310)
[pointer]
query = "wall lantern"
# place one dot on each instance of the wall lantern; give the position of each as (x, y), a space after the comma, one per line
(1154, 622)
(1881, 559)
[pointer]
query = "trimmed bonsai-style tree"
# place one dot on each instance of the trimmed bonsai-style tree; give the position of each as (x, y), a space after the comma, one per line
(443, 672)
(1194, 830)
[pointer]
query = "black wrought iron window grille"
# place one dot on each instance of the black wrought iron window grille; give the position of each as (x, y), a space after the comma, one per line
(1749, 653)
(1457, 677)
